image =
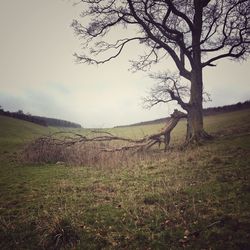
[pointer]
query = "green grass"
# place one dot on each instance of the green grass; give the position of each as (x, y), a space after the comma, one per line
(156, 204)
(14, 133)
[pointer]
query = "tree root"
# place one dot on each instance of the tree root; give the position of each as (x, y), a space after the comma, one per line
(198, 138)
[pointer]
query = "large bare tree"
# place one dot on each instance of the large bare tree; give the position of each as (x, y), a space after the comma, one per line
(194, 33)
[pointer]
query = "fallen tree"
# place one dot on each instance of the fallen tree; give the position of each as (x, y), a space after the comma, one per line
(75, 148)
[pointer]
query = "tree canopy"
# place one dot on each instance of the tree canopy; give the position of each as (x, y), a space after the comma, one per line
(221, 27)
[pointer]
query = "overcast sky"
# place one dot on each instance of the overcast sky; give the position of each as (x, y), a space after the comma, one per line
(38, 73)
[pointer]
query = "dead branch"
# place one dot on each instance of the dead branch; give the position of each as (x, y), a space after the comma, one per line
(61, 146)
(146, 142)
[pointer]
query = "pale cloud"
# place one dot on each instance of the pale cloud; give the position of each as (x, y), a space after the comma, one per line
(39, 75)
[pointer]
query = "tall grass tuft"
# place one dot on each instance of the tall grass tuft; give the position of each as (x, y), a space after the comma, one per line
(59, 234)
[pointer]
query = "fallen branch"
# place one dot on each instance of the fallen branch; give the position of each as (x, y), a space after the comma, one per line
(144, 143)
(74, 148)
(197, 232)
(188, 236)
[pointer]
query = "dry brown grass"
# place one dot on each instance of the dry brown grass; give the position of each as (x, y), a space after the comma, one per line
(84, 154)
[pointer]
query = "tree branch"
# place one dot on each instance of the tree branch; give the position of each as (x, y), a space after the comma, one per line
(119, 45)
(166, 90)
(185, 73)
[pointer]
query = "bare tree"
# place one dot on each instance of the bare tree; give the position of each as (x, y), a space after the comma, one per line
(194, 33)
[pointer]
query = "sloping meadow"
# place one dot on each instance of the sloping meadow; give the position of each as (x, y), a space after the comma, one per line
(197, 198)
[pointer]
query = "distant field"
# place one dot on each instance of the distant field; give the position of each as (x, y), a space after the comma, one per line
(198, 198)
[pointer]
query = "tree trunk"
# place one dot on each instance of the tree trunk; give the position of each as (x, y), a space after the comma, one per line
(195, 130)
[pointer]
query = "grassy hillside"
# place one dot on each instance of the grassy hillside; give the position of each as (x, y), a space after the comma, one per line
(206, 112)
(217, 124)
(193, 199)
(14, 132)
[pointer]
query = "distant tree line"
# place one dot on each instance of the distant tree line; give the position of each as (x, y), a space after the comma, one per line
(43, 121)
(227, 108)
(58, 122)
(206, 112)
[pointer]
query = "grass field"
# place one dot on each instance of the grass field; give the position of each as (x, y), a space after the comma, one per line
(197, 198)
